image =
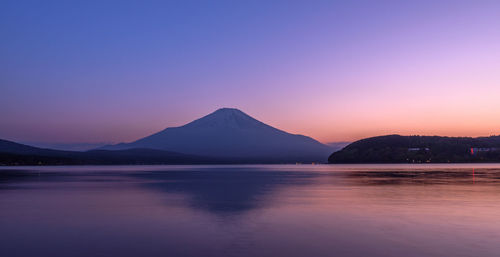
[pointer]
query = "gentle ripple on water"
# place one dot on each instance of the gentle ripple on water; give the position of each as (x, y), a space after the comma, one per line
(251, 210)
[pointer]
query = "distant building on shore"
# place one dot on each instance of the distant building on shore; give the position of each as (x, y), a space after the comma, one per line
(416, 149)
(476, 150)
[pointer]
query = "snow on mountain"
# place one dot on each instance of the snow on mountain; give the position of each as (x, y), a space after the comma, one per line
(230, 133)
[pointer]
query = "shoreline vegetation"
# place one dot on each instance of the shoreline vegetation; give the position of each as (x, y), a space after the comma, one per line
(420, 149)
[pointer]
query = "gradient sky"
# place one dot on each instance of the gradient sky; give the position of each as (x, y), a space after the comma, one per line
(112, 71)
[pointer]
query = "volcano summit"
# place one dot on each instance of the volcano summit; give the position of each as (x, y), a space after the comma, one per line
(232, 134)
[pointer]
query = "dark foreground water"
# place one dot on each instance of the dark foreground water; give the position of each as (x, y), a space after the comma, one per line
(323, 210)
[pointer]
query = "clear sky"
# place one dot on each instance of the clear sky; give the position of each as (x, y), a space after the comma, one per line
(112, 71)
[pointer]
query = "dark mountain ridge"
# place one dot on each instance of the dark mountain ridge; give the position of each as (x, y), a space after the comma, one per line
(410, 149)
(12, 153)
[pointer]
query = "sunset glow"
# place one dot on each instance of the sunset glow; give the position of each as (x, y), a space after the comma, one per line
(106, 72)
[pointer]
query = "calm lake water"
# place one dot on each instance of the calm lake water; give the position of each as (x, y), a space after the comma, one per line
(251, 210)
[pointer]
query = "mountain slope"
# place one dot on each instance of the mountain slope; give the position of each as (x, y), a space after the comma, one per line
(230, 133)
(12, 153)
(409, 149)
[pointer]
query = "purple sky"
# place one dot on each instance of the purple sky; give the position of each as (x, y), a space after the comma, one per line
(104, 71)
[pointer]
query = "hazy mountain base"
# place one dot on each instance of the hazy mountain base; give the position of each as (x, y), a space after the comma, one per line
(133, 156)
(18, 154)
(115, 158)
(12, 153)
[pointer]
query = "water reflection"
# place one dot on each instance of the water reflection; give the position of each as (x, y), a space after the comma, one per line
(426, 176)
(26, 178)
(323, 210)
(224, 190)
(220, 190)
(11, 179)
